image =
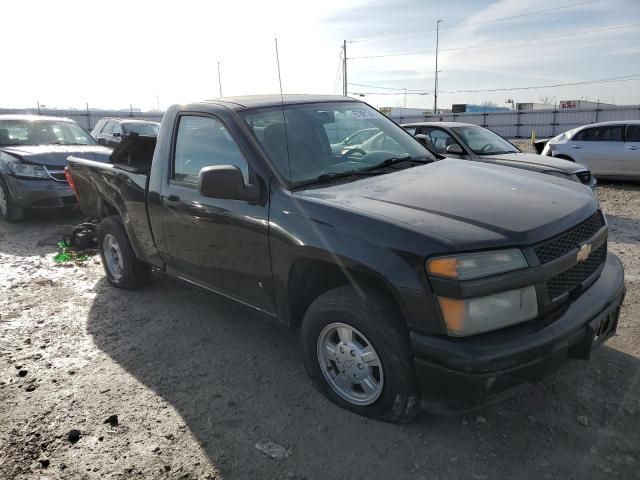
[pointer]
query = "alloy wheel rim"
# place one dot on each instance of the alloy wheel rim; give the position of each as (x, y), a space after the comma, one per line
(350, 364)
(113, 256)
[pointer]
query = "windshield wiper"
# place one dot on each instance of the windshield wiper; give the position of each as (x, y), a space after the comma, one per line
(393, 160)
(331, 176)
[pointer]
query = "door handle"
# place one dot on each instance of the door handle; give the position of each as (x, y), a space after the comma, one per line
(172, 200)
(576, 146)
(632, 147)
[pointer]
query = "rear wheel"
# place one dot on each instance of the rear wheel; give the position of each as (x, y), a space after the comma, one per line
(357, 353)
(8, 210)
(121, 266)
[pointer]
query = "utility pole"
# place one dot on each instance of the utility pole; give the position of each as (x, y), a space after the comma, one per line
(38, 107)
(344, 67)
(219, 80)
(435, 87)
(405, 97)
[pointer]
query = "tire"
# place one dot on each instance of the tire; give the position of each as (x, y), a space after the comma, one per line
(121, 266)
(374, 323)
(8, 210)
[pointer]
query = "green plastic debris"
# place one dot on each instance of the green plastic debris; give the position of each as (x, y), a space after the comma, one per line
(66, 254)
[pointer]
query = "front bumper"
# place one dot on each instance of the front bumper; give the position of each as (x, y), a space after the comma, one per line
(40, 193)
(459, 374)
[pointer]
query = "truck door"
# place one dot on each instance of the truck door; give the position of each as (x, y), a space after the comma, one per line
(221, 244)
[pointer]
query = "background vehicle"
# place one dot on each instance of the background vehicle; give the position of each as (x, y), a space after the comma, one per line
(33, 154)
(109, 131)
(450, 282)
(609, 149)
(472, 142)
(353, 140)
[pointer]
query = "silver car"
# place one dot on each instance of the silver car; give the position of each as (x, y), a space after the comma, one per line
(609, 149)
(472, 142)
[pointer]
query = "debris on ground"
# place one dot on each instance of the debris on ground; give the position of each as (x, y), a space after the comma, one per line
(274, 450)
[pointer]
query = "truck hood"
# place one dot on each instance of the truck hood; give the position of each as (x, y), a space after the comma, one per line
(533, 162)
(56, 155)
(469, 205)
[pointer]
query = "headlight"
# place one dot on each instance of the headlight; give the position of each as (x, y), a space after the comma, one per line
(566, 176)
(25, 170)
(476, 265)
(482, 314)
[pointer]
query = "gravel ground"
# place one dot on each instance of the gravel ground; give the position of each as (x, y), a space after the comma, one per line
(197, 381)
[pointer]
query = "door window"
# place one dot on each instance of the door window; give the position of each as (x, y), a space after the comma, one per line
(633, 133)
(108, 128)
(117, 128)
(610, 133)
(203, 142)
(439, 140)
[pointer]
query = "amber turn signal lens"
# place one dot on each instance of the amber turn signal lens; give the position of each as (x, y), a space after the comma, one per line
(443, 267)
(453, 313)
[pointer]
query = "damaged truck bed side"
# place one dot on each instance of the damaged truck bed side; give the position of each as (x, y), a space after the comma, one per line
(413, 280)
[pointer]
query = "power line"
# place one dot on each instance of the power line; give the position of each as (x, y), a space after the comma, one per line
(400, 91)
(465, 25)
(586, 82)
(389, 88)
(498, 44)
(335, 82)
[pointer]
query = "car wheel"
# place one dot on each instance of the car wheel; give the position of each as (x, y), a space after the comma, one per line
(8, 211)
(121, 266)
(357, 353)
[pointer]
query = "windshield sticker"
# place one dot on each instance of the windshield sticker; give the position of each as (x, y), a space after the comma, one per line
(364, 114)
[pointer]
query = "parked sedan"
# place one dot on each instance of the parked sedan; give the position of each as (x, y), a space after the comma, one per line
(472, 142)
(609, 149)
(109, 131)
(33, 155)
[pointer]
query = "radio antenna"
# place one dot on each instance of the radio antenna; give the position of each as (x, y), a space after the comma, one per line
(284, 118)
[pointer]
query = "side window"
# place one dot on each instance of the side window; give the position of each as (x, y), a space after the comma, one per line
(611, 133)
(202, 142)
(108, 128)
(117, 128)
(440, 140)
(633, 133)
(411, 130)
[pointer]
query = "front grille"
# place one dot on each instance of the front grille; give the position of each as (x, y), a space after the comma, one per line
(567, 241)
(572, 278)
(584, 177)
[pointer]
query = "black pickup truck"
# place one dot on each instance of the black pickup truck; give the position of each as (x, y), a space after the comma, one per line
(413, 280)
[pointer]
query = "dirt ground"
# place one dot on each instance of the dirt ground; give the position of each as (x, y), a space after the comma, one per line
(197, 381)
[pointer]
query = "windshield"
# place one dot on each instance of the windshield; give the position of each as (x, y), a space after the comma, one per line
(484, 142)
(144, 129)
(300, 140)
(42, 132)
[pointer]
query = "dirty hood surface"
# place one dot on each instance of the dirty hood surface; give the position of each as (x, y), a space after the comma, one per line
(468, 204)
(56, 155)
(533, 162)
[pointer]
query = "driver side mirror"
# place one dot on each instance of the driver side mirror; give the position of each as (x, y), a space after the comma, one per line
(423, 139)
(455, 149)
(226, 181)
(117, 134)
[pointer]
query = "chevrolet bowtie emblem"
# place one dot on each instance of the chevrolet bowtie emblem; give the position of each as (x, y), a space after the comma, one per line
(584, 252)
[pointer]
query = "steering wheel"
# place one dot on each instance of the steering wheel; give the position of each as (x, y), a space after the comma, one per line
(353, 151)
(487, 148)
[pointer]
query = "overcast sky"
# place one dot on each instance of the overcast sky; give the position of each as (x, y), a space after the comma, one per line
(116, 53)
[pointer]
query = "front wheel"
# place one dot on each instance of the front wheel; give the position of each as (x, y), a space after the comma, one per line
(121, 266)
(8, 210)
(357, 353)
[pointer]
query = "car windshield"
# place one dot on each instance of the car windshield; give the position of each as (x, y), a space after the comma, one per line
(300, 139)
(42, 132)
(144, 129)
(484, 142)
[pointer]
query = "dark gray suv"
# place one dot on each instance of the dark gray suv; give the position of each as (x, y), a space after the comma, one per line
(109, 131)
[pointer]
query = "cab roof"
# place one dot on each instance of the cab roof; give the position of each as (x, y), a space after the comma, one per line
(275, 100)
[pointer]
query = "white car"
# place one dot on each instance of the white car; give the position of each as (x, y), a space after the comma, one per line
(609, 149)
